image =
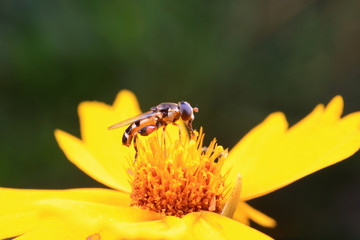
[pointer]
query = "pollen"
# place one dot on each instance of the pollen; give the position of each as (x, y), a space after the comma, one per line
(180, 178)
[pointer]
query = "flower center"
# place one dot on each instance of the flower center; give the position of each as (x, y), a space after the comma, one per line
(181, 179)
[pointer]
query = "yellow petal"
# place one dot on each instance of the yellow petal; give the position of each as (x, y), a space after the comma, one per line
(56, 230)
(272, 156)
(200, 225)
(106, 146)
(126, 104)
(12, 225)
(208, 225)
(28, 211)
(89, 212)
(166, 228)
(16, 198)
(104, 221)
(56, 217)
(244, 212)
(79, 154)
(24, 210)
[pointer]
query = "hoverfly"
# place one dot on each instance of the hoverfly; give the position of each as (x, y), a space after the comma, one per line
(158, 116)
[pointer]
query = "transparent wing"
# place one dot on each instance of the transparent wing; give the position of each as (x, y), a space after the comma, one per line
(131, 120)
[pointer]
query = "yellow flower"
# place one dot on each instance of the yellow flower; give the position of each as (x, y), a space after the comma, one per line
(183, 194)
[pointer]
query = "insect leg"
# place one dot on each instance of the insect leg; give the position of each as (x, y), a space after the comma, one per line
(179, 131)
(163, 136)
(189, 126)
(135, 147)
(145, 131)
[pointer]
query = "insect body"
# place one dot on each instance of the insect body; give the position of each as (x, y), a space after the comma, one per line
(158, 116)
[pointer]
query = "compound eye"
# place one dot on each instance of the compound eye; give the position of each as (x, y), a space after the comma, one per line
(185, 111)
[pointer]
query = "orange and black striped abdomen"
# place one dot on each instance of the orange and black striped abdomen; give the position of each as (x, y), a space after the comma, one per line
(135, 127)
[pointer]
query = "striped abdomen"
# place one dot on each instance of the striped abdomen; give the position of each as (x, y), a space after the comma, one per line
(134, 128)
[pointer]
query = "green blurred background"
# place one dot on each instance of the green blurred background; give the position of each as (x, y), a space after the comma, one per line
(236, 60)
